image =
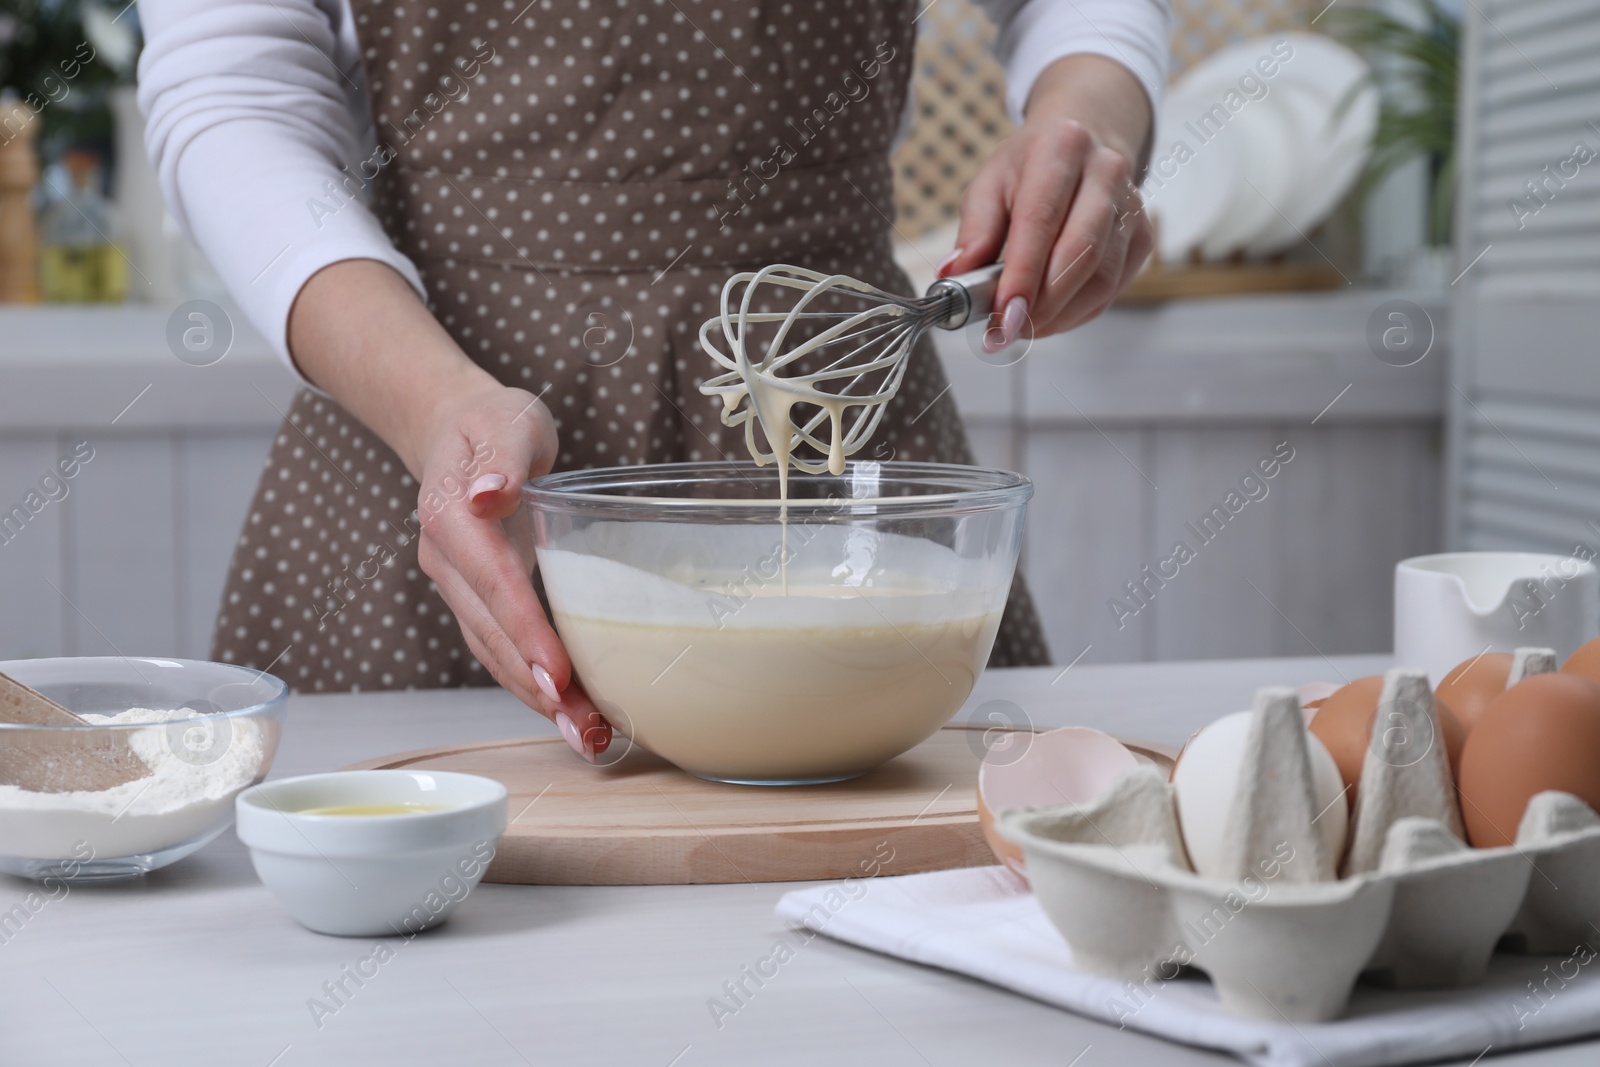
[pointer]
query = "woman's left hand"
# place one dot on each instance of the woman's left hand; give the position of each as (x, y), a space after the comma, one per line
(1058, 202)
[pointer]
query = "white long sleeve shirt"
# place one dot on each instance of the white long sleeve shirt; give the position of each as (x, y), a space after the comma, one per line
(249, 103)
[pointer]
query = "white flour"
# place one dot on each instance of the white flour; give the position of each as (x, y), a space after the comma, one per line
(189, 791)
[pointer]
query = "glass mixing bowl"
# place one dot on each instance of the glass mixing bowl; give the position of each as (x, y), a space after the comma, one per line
(220, 735)
(751, 642)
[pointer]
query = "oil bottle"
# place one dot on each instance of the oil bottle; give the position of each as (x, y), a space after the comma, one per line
(79, 262)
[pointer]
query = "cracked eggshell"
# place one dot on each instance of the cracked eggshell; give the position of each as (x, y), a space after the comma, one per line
(1312, 694)
(1072, 765)
(1208, 774)
(1541, 734)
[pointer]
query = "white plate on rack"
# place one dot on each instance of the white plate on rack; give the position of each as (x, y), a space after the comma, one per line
(1190, 183)
(1300, 142)
(1264, 134)
(1333, 129)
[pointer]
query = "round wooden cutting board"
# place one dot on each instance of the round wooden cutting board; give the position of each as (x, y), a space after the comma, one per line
(644, 822)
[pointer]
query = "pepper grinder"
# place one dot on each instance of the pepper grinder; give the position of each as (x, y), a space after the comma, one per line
(19, 235)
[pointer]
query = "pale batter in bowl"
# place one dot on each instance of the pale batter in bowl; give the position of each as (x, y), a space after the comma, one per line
(751, 642)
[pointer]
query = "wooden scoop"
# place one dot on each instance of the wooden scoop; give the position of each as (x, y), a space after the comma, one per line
(51, 761)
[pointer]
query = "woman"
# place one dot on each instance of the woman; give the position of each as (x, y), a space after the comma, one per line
(541, 172)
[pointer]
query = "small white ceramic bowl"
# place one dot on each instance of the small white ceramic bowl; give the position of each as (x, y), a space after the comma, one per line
(372, 875)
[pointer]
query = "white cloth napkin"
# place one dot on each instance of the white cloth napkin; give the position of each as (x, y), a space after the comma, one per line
(983, 922)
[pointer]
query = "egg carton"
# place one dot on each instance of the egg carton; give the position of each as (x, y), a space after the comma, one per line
(1279, 935)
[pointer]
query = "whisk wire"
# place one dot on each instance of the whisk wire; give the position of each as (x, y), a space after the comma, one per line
(873, 345)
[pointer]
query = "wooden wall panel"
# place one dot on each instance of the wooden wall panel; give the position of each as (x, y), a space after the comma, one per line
(1308, 568)
(1086, 535)
(120, 550)
(142, 543)
(1210, 608)
(1360, 499)
(30, 553)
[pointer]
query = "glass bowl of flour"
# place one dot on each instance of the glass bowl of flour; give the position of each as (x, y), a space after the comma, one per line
(147, 780)
(769, 634)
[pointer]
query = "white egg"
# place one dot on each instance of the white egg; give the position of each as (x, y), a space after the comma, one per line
(1207, 776)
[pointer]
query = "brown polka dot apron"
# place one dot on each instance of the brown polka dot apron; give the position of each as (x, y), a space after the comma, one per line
(575, 181)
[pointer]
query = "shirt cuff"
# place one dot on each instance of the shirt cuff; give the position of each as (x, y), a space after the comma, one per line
(280, 283)
(267, 230)
(1134, 33)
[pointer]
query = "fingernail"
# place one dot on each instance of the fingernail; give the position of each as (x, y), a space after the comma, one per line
(546, 684)
(570, 732)
(946, 261)
(489, 483)
(1016, 314)
(994, 336)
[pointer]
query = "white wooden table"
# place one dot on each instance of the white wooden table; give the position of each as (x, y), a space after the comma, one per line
(198, 965)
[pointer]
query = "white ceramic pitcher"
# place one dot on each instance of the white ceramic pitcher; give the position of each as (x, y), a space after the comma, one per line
(1453, 606)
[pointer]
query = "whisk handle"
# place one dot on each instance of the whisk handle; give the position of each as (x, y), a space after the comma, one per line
(972, 293)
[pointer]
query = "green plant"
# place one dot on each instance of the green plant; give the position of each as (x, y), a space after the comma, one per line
(49, 61)
(1415, 64)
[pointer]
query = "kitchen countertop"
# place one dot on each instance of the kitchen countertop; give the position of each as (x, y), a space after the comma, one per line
(197, 964)
(97, 366)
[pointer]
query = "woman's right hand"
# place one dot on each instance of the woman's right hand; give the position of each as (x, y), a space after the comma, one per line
(475, 457)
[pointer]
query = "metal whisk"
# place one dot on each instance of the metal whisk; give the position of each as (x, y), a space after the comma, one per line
(869, 350)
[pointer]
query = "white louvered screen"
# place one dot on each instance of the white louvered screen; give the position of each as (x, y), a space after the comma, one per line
(1525, 403)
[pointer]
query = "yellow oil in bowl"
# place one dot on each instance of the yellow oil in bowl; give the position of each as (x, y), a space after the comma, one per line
(373, 809)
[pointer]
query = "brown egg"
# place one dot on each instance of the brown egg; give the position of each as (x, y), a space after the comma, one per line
(1473, 685)
(1585, 662)
(1542, 733)
(1344, 725)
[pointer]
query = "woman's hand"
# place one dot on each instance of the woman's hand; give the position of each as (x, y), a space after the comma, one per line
(361, 333)
(482, 447)
(1059, 202)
